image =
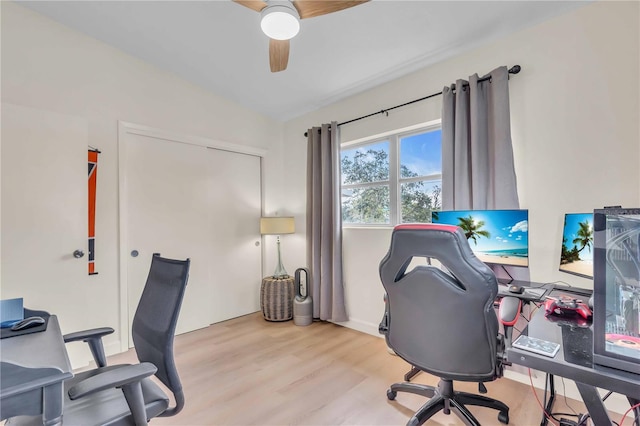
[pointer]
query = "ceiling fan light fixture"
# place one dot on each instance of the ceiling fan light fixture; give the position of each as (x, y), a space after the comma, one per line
(280, 21)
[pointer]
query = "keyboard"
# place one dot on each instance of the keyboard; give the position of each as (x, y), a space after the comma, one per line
(577, 291)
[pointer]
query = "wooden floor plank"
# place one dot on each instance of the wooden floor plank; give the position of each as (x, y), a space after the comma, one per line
(248, 371)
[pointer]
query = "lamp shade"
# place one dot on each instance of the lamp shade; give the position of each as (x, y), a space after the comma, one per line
(277, 225)
(280, 21)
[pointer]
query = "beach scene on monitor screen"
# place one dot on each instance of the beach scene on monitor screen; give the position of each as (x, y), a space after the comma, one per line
(495, 236)
(576, 256)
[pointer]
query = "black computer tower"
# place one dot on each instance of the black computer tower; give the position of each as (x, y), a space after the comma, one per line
(616, 314)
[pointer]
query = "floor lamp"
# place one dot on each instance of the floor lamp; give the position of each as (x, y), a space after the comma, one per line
(277, 226)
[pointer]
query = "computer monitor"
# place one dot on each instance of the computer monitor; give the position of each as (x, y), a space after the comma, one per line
(576, 254)
(616, 289)
(497, 237)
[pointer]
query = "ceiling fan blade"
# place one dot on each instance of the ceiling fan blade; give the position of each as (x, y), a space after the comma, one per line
(311, 8)
(256, 5)
(278, 54)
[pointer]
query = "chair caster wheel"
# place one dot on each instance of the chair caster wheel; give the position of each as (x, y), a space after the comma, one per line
(391, 394)
(503, 417)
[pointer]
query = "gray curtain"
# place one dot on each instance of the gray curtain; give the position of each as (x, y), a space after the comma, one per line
(477, 156)
(324, 223)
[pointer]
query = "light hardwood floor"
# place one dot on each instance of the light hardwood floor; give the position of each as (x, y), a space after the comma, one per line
(248, 371)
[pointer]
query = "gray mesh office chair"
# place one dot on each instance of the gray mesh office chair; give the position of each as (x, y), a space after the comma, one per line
(442, 322)
(125, 394)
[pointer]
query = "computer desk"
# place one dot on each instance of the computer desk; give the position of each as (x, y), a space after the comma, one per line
(574, 361)
(33, 368)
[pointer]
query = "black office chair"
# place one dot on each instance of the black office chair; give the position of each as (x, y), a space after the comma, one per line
(442, 322)
(125, 394)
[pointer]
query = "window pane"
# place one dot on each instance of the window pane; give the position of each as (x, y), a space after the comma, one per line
(418, 199)
(365, 164)
(421, 155)
(366, 205)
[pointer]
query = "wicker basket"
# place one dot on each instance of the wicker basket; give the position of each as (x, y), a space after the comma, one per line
(276, 298)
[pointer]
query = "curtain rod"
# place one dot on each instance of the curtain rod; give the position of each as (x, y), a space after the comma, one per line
(513, 70)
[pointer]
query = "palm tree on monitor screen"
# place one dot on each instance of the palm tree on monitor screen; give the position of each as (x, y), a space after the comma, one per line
(472, 228)
(584, 236)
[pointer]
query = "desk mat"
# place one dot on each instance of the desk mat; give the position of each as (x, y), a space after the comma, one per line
(6, 332)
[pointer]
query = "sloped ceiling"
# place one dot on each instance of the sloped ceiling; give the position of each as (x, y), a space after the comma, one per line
(219, 46)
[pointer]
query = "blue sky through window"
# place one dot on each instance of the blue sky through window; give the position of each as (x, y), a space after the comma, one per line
(377, 191)
(422, 153)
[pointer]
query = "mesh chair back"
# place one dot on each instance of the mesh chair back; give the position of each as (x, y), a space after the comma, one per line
(441, 321)
(154, 323)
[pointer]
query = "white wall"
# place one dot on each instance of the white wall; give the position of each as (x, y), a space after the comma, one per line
(50, 67)
(574, 111)
(575, 130)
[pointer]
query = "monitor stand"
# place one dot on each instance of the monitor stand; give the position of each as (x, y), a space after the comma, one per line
(505, 280)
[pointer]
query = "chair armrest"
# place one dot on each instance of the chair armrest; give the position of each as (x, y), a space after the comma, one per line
(84, 335)
(127, 378)
(93, 337)
(114, 378)
(508, 313)
(383, 328)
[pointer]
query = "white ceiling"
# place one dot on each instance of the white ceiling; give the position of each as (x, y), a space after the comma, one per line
(219, 46)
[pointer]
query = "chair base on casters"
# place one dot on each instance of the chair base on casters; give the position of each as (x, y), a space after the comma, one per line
(444, 398)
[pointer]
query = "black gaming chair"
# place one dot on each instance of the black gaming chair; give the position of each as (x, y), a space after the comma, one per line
(125, 394)
(442, 322)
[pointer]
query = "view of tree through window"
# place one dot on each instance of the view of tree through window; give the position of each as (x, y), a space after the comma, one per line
(394, 180)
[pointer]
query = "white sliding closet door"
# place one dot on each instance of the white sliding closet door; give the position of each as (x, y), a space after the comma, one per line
(186, 200)
(166, 214)
(235, 214)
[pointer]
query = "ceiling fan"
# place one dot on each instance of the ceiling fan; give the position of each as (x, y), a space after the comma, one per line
(280, 21)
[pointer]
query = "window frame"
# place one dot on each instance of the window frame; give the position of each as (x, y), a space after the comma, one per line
(395, 181)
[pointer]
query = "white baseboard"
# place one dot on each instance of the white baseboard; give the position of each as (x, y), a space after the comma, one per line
(362, 326)
(112, 348)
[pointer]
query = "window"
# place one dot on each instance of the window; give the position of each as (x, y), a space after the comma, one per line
(393, 178)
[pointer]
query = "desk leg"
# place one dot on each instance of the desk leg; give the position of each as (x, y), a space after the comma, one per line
(52, 400)
(552, 397)
(593, 402)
